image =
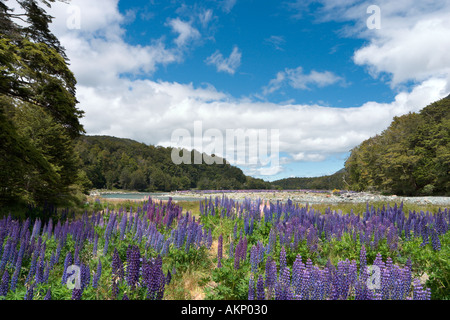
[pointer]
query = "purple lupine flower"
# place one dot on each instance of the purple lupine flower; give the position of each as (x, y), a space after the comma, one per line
(165, 248)
(6, 253)
(436, 243)
(397, 291)
(305, 287)
(254, 259)
(251, 288)
(231, 250)
(385, 283)
(219, 251)
(133, 265)
(58, 252)
(125, 297)
(418, 292)
(32, 270)
(209, 240)
(67, 263)
(237, 255)
(271, 273)
(97, 275)
(261, 251)
(246, 226)
(243, 252)
(312, 239)
(52, 261)
(77, 294)
(4, 284)
(158, 280)
(407, 277)
(260, 294)
(424, 234)
(40, 270)
(297, 272)
(318, 291)
(147, 270)
(116, 265)
(46, 273)
(427, 294)
(285, 276)
(48, 295)
(352, 273)
(392, 238)
(105, 247)
(30, 292)
(282, 258)
(18, 267)
(114, 288)
(283, 291)
(123, 225)
(280, 293)
(379, 261)
(85, 276)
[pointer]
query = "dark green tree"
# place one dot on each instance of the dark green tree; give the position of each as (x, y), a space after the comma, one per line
(39, 118)
(411, 157)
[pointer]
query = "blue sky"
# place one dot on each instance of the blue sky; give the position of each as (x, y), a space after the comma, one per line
(312, 70)
(271, 37)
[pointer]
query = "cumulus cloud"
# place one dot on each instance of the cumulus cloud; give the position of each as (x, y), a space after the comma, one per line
(228, 65)
(153, 110)
(186, 31)
(410, 53)
(149, 110)
(411, 45)
(297, 79)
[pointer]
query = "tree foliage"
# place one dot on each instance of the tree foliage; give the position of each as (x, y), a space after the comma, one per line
(411, 157)
(111, 162)
(329, 182)
(38, 114)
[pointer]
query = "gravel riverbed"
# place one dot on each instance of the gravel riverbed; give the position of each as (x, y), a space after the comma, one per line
(325, 198)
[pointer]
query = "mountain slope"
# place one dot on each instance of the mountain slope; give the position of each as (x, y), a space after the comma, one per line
(111, 162)
(410, 157)
(330, 182)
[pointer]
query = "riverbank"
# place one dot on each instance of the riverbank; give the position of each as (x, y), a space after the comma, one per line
(301, 196)
(318, 197)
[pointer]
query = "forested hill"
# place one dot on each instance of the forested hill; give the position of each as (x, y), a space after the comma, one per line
(111, 162)
(330, 182)
(411, 157)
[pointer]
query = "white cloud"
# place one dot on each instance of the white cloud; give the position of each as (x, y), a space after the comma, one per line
(314, 157)
(299, 80)
(148, 110)
(227, 5)
(229, 64)
(275, 84)
(186, 31)
(409, 53)
(411, 45)
(205, 17)
(276, 42)
(152, 110)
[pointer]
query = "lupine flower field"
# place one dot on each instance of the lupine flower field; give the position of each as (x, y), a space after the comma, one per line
(252, 250)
